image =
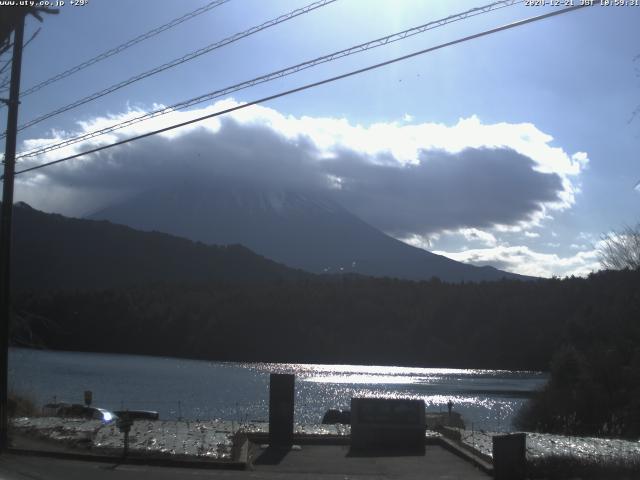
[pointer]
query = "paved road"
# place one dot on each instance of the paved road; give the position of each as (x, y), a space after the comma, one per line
(311, 462)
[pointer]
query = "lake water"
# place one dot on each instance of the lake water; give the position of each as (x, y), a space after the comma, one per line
(194, 389)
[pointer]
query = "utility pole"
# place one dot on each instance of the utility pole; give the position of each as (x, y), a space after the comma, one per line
(5, 228)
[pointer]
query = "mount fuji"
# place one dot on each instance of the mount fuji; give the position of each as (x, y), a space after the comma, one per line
(301, 230)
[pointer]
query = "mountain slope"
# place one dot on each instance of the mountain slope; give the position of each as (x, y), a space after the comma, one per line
(302, 231)
(54, 251)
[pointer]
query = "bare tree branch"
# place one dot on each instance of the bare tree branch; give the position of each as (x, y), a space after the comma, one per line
(620, 250)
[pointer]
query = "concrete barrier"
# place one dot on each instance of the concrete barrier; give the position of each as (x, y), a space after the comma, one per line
(387, 423)
(509, 456)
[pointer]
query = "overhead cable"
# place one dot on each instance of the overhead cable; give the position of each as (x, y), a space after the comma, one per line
(124, 46)
(275, 75)
(178, 61)
(309, 86)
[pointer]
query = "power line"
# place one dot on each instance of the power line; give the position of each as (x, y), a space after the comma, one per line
(279, 74)
(6, 64)
(179, 61)
(310, 85)
(4, 67)
(124, 46)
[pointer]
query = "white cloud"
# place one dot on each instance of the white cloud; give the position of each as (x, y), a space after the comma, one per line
(422, 241)
(407, 179)
(586, 236)
(471, 235)
(523, 260)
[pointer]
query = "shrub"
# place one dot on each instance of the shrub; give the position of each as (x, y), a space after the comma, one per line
(20, 405)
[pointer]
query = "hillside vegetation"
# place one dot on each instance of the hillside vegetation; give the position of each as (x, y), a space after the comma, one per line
(53, 251)
(105, 288)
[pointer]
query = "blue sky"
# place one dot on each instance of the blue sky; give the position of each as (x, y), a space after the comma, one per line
(558, 94)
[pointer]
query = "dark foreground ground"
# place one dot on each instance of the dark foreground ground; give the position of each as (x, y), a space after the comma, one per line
(310, 462)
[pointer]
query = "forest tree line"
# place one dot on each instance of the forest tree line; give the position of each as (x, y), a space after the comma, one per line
(585, 330)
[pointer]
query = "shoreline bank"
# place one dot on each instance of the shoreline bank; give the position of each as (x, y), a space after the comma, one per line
(214, 438)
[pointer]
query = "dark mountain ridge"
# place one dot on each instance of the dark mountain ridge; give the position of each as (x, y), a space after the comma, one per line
(301, 230)
(53, 251)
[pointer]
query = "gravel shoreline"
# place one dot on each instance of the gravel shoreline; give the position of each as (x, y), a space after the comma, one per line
(210, 439)
(213, 439)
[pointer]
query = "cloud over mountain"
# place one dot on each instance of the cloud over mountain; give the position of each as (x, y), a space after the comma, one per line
(402, 178)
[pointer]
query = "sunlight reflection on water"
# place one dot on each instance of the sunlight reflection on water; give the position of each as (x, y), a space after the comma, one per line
(485, 398)
(191, 389)
(370, 379)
